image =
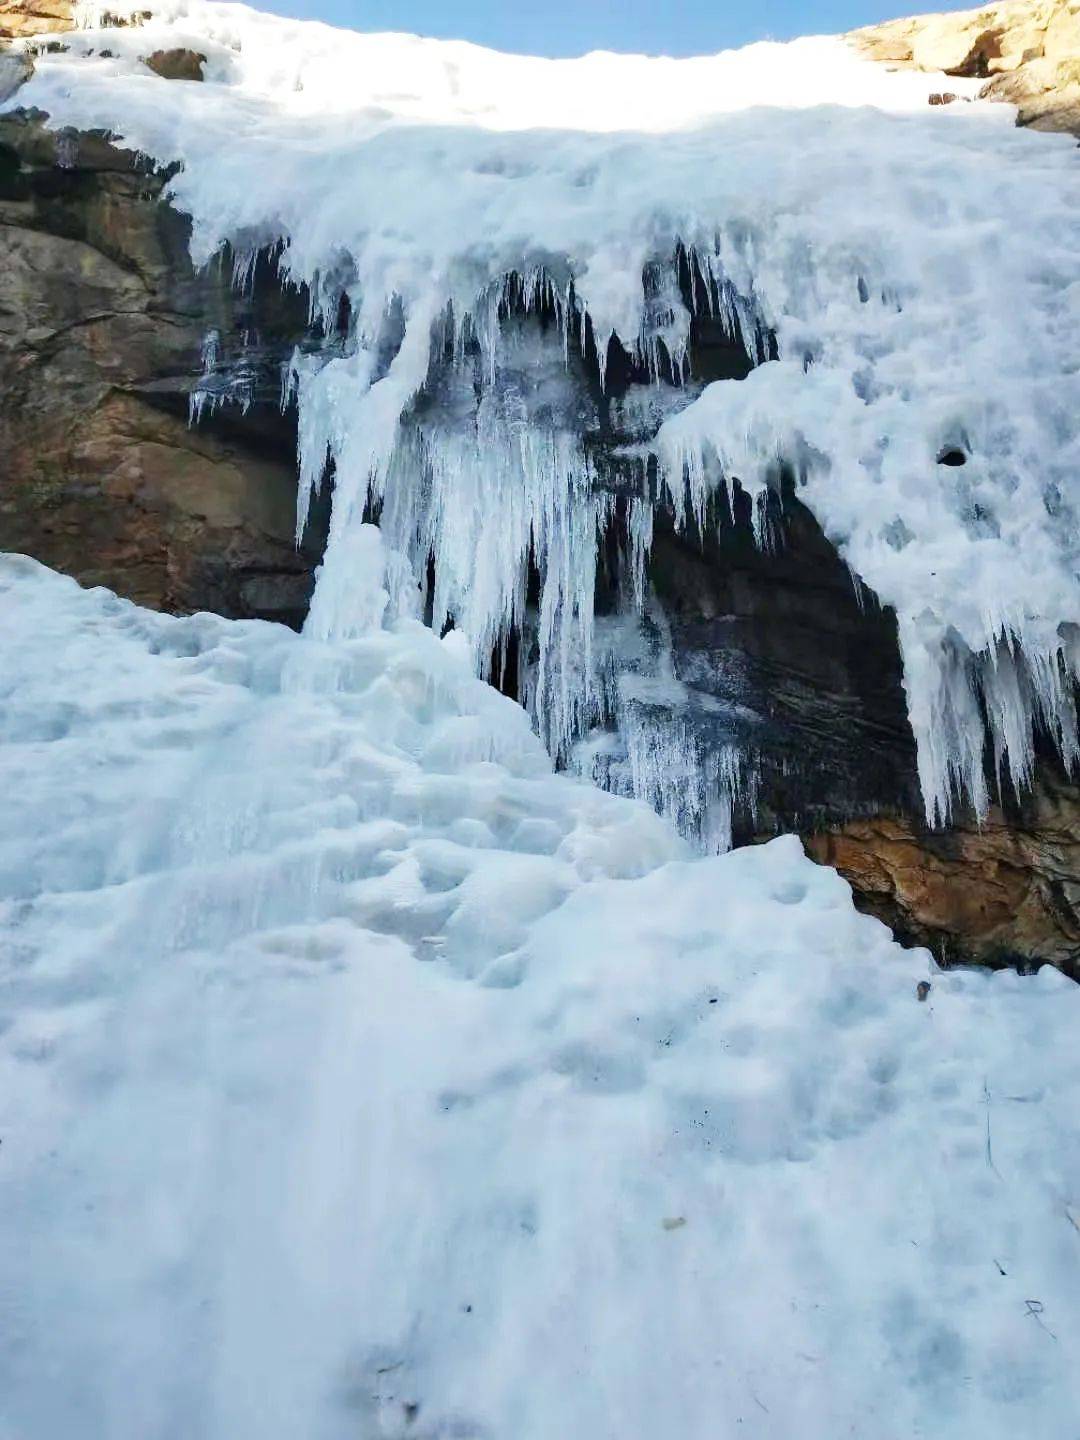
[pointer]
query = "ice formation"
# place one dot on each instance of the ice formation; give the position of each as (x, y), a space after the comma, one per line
(360, 1077)
(820, 200)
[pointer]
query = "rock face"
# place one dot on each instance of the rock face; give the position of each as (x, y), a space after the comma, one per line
(785, 659)
(102, 324)
(1028, 51)
(1005, 894)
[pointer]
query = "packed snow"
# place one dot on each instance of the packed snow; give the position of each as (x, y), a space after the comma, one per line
(916, 264)
(361, 1077)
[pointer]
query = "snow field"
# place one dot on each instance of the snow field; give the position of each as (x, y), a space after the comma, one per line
(360, 1077)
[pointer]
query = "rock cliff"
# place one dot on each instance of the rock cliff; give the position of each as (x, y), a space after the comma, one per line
(102, 325)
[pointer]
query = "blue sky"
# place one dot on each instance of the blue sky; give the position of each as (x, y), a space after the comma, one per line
(570, 27)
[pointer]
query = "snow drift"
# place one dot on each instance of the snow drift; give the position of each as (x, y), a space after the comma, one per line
(360, 1077)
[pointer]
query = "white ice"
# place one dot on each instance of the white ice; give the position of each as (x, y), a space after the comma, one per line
(361, 1078)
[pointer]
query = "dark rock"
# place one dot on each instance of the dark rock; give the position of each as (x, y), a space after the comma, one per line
(952, 455)
(102, 323)
(176, 64)
(802, 670)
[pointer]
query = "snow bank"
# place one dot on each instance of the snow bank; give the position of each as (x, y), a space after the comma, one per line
(360, 1077)
(917, 264)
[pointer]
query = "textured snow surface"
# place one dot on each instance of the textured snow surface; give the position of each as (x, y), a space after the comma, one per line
(360, 1078)
(917, 265)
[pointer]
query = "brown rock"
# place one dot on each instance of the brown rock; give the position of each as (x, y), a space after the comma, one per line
(1046, 94)
(1007, 893)
(20, 19)
(1028, 50)
(101, 326)
(176, 64)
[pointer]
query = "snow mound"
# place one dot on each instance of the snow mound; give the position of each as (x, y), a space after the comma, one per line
(360, 1077)
(916, 266)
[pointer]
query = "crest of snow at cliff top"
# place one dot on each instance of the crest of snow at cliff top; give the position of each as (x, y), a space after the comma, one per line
(917, 265)
(361, 1078)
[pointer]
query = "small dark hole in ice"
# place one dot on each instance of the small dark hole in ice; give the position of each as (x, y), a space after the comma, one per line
(951, 455)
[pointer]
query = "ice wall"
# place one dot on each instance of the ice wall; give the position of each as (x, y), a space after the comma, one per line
(915, 266)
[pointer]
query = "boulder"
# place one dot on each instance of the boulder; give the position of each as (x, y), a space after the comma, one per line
(15, 69)
(176, 64)
(22, 19)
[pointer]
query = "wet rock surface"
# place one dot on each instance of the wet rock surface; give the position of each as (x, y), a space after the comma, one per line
(805, 669)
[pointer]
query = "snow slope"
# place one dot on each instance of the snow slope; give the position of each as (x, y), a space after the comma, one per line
(360, 1077)
(917, 264)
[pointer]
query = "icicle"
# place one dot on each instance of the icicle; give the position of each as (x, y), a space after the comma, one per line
(359, 434)
(243, 270)
(639, 525)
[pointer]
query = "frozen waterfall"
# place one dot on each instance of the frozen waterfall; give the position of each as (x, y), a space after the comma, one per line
(363, 1077)
(861, 246)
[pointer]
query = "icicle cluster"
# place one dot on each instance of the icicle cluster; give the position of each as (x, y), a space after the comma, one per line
(459, 434)
(474, 488)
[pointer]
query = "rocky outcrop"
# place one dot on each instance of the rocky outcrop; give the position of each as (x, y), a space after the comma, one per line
(102, 325)
(1006, 893)
(23, 19)
(1028, 51)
